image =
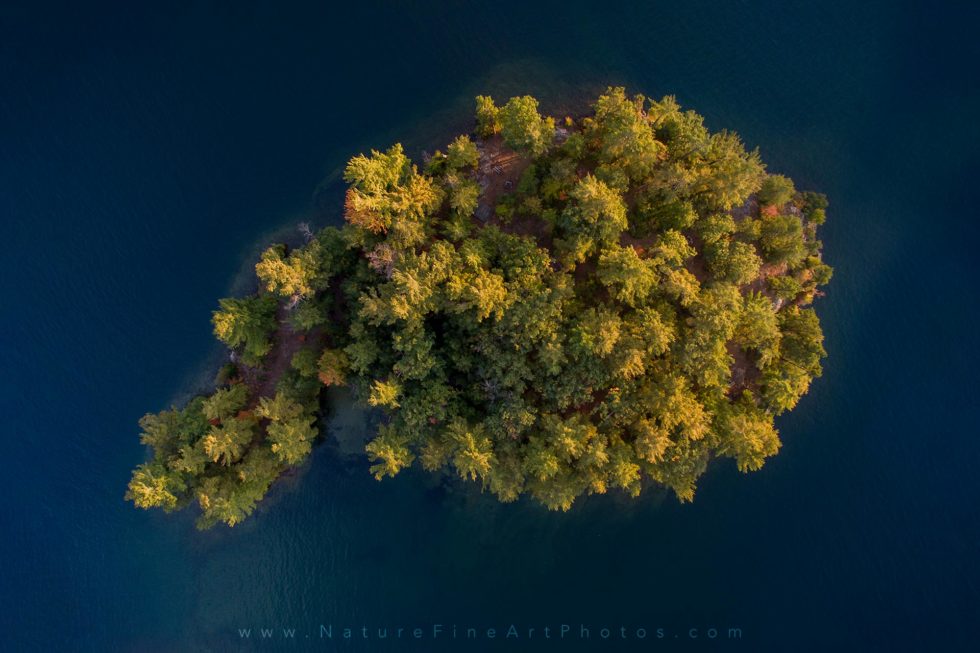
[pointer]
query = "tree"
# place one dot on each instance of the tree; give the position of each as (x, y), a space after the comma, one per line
(462, 153)
(735, 262)
(716, 227)
(652, 214)
(191, 460)
(226, 443)
(387, 194)
(822, 274)
(247, 323)
(472, 449)
(279, 408)
(333, 366)
(154, 486)
(384, 393)
(297, 275)
(595, 332)
(305, 362)
(651, 442)
(464, 197)
(232, 496)
(758, 328)
(225, 402)
(784, 287)
(801, 349)
(747, 434)
(672, 249)
(626, 140)
(310, 313)
(624, 472)
(389, 452)
(651, 329)
(776, 190)
(714, 318)
(802, 339)
(523, 128)
(507, 480)
(380, 172)
(161, 431)
(292, 438)
(595, 213)
(629, 278)
(487, 116)
(726, 174)
(782, 239)
(683, 131)
(481, 291)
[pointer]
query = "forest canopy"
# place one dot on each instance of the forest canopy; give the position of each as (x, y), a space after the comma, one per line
(549, 308)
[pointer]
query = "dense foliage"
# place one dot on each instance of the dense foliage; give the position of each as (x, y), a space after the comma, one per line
(545, 311)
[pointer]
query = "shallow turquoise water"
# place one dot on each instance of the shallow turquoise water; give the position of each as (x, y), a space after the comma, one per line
(146, 155)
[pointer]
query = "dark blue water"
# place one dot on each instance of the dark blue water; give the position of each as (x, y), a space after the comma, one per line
(146, 154)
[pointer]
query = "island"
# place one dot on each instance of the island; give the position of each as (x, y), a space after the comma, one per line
(549, 308)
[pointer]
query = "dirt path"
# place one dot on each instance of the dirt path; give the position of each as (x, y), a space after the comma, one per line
(286, 342)
(498, 172)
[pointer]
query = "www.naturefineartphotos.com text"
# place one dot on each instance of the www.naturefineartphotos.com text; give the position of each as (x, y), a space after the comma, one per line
(509, 633)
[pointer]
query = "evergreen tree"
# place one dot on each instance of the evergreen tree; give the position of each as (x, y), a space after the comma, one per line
(154, 486)
(523, 128)
(487, 116)
(247, 323)
(462, 153)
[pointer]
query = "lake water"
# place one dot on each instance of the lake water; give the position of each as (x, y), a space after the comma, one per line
(147, 154)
